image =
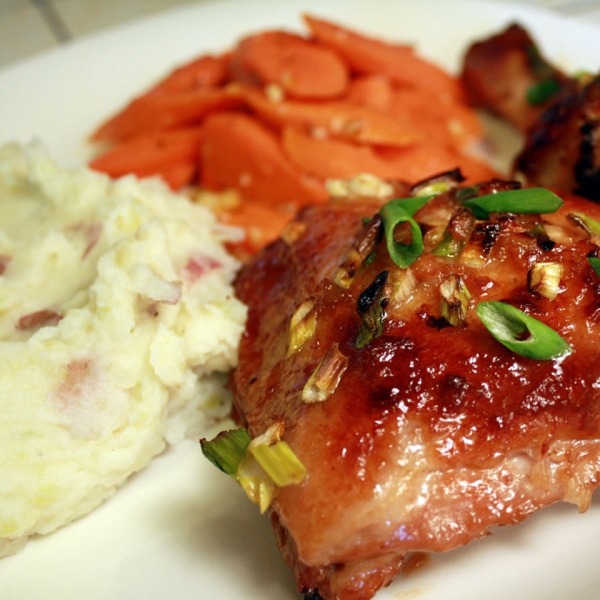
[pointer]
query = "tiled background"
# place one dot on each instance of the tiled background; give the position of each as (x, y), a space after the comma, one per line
(28, 27)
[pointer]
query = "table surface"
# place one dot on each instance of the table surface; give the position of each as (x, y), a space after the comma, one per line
(30, 27)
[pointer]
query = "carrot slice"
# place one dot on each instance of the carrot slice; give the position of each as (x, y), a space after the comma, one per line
(449, 119)
(326, 158)
(172, 154)
(369, 55)
(204, 71)
(444, 119)
(178, 175)
(239, 152)
(423, 160)
(303, 68)
(332, 158)
(163, 110)
(263, 224)
(374, 91)
(337, 118)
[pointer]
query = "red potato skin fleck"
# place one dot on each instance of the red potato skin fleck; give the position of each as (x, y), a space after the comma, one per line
(4, 262)
(40, 318)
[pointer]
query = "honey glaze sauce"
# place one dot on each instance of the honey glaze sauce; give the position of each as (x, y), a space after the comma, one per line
(434, 432)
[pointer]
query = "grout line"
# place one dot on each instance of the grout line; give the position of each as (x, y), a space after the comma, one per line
(53, 19)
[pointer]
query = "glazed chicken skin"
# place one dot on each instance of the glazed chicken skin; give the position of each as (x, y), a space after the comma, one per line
(562, 148)
(558, 115)
(427, 431)
(507, 74)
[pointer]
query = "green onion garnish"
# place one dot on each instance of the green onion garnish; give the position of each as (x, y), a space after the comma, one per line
(525, 201)
(371, 308)
(279, 462)
(395, 213)
(456, 234)
(595, 263)
(455, 300)
(542, 91)
(227, 450)
(589, 225)
(521, 333)
(259, 465)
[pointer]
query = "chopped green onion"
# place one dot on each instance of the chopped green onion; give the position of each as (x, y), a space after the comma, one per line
(539, 66)
(362, 248)
(227, 450)
(371, 308)
(525, 201)
(542, 91)
(279, 462)
(410, 205)
(456, 234)
(401, 284)
(302, 325)
(544, 279)
(589, 225)
(395, 213)
(521, 333)
(455, 300)
(595, 263)
(259, 465)
(326, 377)
(541, 236)
(253, 479)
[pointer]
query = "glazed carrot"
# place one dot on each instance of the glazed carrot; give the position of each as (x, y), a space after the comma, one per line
(332, 158)
(178, 175)
(342, 104)
(448, 118)
(263, 224)
(444, 118)
(303, 68)
(172, 154)
(374, 91)
(163, 110)
(238, 151)
(421, 160)
(327, 158)
(337, 118)
(369, 55)
(205, 71)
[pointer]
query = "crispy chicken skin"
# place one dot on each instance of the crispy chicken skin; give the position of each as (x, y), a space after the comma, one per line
(562, 148)
(434, 433)
(501, 71)
(558, 115)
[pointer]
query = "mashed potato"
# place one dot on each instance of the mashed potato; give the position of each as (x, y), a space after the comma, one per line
(117, 323)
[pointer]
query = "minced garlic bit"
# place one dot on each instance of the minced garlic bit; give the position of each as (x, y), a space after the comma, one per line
(274, 92)
(589, 225)
(218, 201)
(544, 279)
(361, 186)
(302, 325)
(326, 377)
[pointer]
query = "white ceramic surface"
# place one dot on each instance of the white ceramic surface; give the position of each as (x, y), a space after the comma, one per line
(180, 529)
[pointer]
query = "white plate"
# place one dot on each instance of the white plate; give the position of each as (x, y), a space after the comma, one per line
(180, 529)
